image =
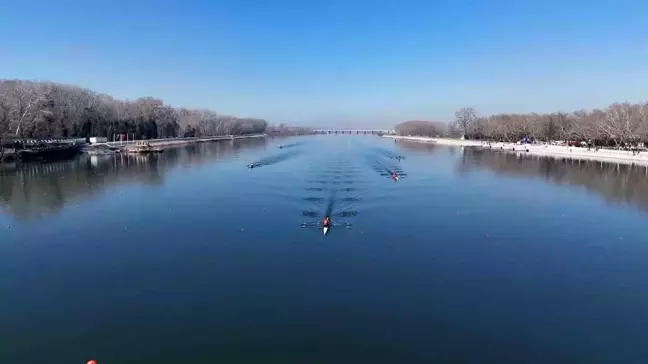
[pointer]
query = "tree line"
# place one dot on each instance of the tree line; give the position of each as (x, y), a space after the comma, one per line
(30, 109)
(617, 125)
(286, 130)
(422, 128)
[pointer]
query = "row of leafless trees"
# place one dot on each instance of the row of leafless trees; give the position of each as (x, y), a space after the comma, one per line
(422, 128)
(619, 124)
(49, 110)
(285, 130)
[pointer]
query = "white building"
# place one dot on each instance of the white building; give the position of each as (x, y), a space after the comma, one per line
(95, 140)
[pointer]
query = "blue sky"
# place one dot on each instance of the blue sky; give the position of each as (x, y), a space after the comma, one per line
(344, 63)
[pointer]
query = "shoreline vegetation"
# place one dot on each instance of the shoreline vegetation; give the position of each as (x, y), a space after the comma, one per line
(43, 116)
(30, 109)
(618, 133)
(288, 130)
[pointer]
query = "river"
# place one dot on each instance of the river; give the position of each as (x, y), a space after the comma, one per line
(472, 256)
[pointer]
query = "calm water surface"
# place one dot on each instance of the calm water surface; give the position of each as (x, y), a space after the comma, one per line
(471, 257)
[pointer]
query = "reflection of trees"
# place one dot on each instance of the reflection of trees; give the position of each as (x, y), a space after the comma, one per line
(418, 147)
(614, 182)
(424, 148)
(32, 190)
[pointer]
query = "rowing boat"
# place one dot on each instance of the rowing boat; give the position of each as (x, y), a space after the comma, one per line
(325, 230)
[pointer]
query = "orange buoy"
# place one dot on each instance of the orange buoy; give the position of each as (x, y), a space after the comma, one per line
(92, 362)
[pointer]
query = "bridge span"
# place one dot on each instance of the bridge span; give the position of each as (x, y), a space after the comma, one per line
(355, 131)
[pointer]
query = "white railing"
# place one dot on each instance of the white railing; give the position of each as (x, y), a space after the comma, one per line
(215, 137)
(50, 141)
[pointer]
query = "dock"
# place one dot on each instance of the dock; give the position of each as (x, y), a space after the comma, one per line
(36, 149)
(127, 146)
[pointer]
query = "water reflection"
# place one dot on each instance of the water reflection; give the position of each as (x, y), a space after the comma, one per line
(416, 146)
(617, 183)
(34, 190)
(424, 148)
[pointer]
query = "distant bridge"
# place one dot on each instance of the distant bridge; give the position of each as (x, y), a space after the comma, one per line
(353, 131)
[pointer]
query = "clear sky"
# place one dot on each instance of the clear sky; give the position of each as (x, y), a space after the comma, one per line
(343, 63)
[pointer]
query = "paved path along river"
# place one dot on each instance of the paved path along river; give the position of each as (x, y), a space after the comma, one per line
(472, 256)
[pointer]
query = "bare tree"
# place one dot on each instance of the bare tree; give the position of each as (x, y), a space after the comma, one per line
(4, 120)
(465, 117)
(29, 102)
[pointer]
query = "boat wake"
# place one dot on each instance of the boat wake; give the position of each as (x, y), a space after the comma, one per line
(273, 160)
(291, 145)
(386, 170)
(339, 204)
(389, 154)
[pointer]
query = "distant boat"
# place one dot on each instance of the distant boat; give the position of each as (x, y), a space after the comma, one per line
(144, 147)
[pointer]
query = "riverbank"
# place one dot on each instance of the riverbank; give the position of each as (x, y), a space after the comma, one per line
(179, 141)
(68, 150)
(547, 150)
(40, 152)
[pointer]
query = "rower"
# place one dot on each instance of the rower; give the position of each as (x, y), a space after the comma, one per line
(395, 176)
(326, 222)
